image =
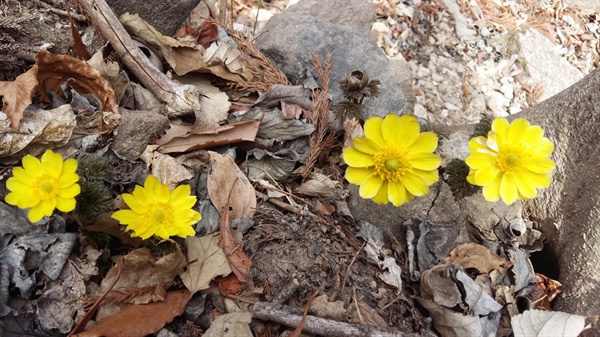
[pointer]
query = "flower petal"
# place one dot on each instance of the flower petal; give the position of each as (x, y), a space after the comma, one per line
(396, 193)
(370, 186)
(366, 145)
(373, 130)
(401, 131)
(500, 128)
(426, 142)
(508, 188)
(69, 191)
(542, 165)
(525, 186)
(415, 185)
(23, 176)
(532, 135)
(52, 163)
(356, 175)
(543, 148)
(17, 186)
(485, 176)
(32, 165)
(537, 180)
(480, 160)
(491, 191)
(125, 216)
(517, 129)
(425, 161)
(355, 158)
(44, 208)
(134, 203)
(382, 196)
(65, 204)
(429, 177)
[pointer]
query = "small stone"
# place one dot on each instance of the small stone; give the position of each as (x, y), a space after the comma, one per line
(420, 111)
(423, 72)
(496, 103)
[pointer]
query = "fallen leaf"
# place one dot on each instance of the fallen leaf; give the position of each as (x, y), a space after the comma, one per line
(263, 164)
(16, 95)
(183, 138)
(55, 69)
(165, 168)
(225, 177)
(207, 33)
(206, 260)
(141, 319)
(331, 310)
(320, 185)
(291, 110)
(547, 324)
(106, 224)
(473, 255)
(239, 262)
(141, 269)
(229, 285)
(235, 324)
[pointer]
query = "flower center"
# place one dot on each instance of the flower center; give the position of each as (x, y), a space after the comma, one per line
(510, 160)
(46, 187)
(160, 214)
(391, 163)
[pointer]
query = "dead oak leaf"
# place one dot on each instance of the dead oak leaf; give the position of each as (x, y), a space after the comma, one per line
(55, 69)
(16, 95)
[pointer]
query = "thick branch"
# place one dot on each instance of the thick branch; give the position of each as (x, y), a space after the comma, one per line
(180, 99)
(321, 326)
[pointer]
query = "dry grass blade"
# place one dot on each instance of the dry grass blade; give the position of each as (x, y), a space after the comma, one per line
(319, 140)
(257, 63)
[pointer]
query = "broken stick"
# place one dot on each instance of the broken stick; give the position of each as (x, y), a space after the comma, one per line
(180, 99)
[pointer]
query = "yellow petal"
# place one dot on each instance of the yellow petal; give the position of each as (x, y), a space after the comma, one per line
(396, 193)
(162, 233)
(125, 216)
(480, 160)
(134, 203)
(525, 187)
(401, 131)
(425, 161)
(356, 175)
(541, 165)
(429, 177)
(44, 208)
(365, 145)
(65, 204)
(543, 148)
(18, 186)
(52, 163)
(23, 176)
(485, 176)
(508, 188)
(500, 128)
(370, 186)
(32, 165)
(140, 194)
(355, 158)
(471, 177)
(426, 142)
(415, 185)
(373, 130)
(382, 196)
(491, 191)
(532, 135)
(536, 179)
(70, 191)
(517, 129)
(185, 232)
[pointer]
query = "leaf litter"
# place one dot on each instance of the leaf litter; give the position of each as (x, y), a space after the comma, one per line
(284, 238)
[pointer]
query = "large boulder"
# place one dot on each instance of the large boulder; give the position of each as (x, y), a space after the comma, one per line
(339, 29)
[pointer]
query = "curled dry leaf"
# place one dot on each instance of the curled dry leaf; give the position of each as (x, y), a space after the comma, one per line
(225, 177)
(473, 255)
(16, 95)
(165, 168)
(55, 69)
(239, 262)
(183, 138)
(235, 324)
(141, 319)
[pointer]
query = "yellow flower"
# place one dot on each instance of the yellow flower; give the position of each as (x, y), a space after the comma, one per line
(44, 186)
(154, 210)
(394, 161)
(512, 162)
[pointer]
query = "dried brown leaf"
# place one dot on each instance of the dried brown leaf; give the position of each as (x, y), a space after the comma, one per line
(106, 224)
(17, 95)
(226, 176)
(473, 255)
(141, 319)
(183, 138)
(206, 261)
(55, 69)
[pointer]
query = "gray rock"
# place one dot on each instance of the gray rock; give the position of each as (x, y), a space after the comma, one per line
(438, 207)
(137, 129)
(593, 5)
(165, 16)
(338, 29)
(544, 64)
